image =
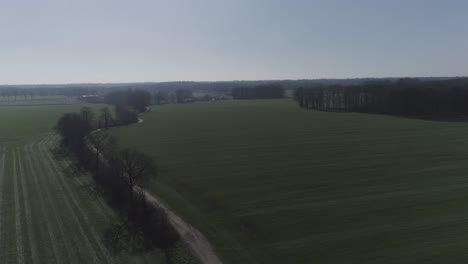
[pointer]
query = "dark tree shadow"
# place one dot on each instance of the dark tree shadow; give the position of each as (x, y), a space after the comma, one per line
(73, 169)
(122, 238)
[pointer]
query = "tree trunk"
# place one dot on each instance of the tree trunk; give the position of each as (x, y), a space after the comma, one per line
(130, 205)
(97, 164)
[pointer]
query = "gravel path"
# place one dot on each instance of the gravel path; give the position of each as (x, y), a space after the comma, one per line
(200, 246)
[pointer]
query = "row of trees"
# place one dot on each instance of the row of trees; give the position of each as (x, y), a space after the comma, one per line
(136, 100)
(264, 91)
(178, 97)
(409, 97)
(15, 93)
(119, 173)
(128, 104)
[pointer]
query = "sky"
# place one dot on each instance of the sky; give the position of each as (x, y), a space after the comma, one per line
(83, 41)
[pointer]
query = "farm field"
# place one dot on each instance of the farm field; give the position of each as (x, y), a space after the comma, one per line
(23, 122)
(268, 182)
(48, 214)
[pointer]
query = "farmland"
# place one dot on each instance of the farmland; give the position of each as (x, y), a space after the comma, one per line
(24, 122)
(269, 182)
(48, 211)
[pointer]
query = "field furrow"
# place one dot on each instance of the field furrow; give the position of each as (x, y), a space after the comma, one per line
(27, 210)
(8, 237)
(49, 221)
(65, 213)
(18, 216)
(72, 204)
(48, 211)
(73, 195)
(102, 209)
(2, 179)
(83, 181)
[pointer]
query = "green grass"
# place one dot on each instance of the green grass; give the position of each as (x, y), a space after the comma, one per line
(269, 182)
(47, 213)
(24, 122)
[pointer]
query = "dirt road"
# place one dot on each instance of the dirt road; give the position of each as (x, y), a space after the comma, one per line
(200, 246)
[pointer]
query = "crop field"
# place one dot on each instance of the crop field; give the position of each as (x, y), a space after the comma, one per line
(47, 215)
(269, 182)
(23, 122)
(48, 212)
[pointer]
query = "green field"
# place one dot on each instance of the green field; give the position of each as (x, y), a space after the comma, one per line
(47, 213)
(24, 122)
(269, 182)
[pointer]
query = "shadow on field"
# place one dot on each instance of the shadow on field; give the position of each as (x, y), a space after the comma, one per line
(71, 168)
(120, 238)
(140, 226)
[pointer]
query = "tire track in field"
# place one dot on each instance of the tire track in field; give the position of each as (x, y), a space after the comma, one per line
(18, 231)
(83, 181)
(8, 250)
(73, 194)
(27, 210)
(78, 252)
(45, 215)
(2, 177)
(81, 250)
(72, 202)
(86, 181)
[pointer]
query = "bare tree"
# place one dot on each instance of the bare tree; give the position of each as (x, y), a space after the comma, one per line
(87, 115)
(103, 144)
(73, 129)
(133, 166)
(106, 117)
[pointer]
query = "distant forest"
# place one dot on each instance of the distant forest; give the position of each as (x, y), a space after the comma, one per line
(409, 97)
(399, 96)
(263, 91)
(24, 92)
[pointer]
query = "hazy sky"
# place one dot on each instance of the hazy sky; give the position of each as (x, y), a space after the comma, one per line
(60, 41)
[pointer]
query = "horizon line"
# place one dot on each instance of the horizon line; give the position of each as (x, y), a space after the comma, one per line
(239, 80)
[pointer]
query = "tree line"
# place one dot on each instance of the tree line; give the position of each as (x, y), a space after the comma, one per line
(136, 99)
(12, 93)
(119, 174)
(219, 88)
(409, 97)
(264, 91)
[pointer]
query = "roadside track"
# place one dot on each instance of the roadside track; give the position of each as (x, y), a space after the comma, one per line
(197, 242)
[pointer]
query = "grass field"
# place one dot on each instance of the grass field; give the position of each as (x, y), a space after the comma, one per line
(47, 213)
(23, 122)
(269, 182)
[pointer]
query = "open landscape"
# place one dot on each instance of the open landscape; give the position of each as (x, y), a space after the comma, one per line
(261, 179)
(21, 123)
(49, 212)
(48, 215)
(267, 180)
(233, 132)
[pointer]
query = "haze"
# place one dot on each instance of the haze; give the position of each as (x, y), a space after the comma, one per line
(53, 41)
